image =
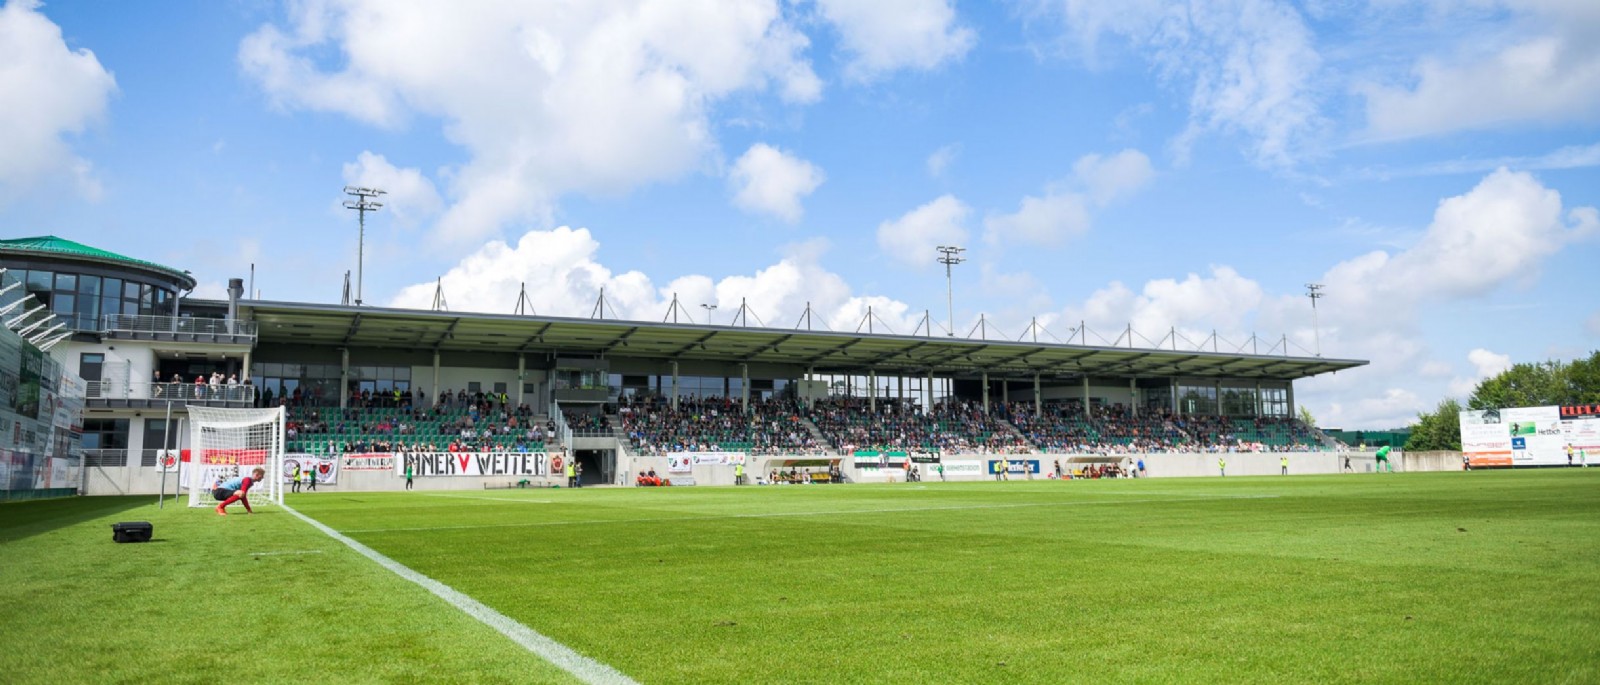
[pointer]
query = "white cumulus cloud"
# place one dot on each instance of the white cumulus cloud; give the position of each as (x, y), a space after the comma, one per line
(50, 92)
(1539, 64)
(1065, 210)
(766, 180)
(410, 196)
(603, 96)
(564, 277)
(882, 36)
(1249, 66)
(911, 239)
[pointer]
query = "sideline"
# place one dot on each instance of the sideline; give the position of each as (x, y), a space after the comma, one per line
(496, 499)
(841, 512)
(564, 657)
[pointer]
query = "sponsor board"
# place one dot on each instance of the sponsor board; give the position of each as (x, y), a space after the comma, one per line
(1484, 440)
(1013, 466)
(1536, 438)
(370, 462)
(680, 463)
(325, 468)
(716, 458)
(476, 463)
(963, 467)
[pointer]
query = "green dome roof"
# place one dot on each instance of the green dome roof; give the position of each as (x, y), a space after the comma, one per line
(49, 245)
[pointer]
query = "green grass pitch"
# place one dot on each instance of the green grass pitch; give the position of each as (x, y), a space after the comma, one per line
(1443, 577)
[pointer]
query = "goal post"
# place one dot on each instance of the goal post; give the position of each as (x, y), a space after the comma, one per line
(224, 443)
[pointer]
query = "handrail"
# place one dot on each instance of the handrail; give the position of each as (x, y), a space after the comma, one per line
(175, 325)
(177, 392)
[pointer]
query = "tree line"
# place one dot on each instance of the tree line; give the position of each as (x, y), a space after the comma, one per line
(1538, 384)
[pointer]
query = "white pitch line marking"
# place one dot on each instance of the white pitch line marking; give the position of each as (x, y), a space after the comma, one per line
(297, 551)
(564, 657)
(496, 499)
(842, 512)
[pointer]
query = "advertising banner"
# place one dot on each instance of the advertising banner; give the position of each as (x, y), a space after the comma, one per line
(1015, 467)
(963, 467)
(680, 463)
(1536, 438)
(370, 462)
(715, 458)
(475, 463)
(167, 460)
(1484, 440)
(326, 468)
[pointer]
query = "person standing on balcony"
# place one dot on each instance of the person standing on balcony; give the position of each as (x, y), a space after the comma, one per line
(155, 385)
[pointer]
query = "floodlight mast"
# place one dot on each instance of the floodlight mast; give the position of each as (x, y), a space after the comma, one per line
(949, 256)
(362, 204)
(1314, 291)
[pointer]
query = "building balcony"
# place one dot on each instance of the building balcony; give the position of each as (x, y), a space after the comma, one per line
(177, 329)
(116, 395)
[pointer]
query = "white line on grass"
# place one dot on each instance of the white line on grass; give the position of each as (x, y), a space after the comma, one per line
(497, 499)
(841, 512)
(564, 657)
(297, 551)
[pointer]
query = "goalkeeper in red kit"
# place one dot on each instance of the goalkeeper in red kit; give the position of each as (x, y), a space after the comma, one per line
(237, 489)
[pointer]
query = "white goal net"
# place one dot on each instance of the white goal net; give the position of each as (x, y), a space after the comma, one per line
(224, 443)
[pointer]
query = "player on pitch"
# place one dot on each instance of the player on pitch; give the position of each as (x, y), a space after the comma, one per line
(1383, 460)
(237, 489)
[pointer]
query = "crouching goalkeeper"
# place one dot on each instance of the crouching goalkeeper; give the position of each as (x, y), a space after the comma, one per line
(237, 489)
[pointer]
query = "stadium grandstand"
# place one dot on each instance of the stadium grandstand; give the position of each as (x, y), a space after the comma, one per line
(619, 397)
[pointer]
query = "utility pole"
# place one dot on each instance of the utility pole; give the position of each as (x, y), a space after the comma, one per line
(949, 256)
(1314, 291)
(362, 203)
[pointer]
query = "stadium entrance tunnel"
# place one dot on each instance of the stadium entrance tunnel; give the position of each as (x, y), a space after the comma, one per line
(599, 466)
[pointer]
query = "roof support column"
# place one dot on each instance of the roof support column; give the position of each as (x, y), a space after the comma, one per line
(1173, 396)
(985, 392)
(872, 390)
(929, 389)
(1038, 407)
(244, 373)
(344, 377)
(522, 372)
(1292, 413)
(1257, 402)
(674, 386)
(1216, 404)
(744, 397)
(901, 395)
(435, 376)
(1087, 412)
(1133, 398)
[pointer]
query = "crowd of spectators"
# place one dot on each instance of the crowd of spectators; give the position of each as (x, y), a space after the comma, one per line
(711, 424)
(467, 426)
(1115, 429)
(852, 424)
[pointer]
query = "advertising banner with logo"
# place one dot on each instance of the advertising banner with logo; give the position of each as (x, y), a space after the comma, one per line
(475, 463)
(881, 461)
(715, 458)
(963, 468)
(1015, 467)
(1484, 440)
(680, 463)
(370, 462)
(1536, 438)
(167, 461)
(326, 468)
(1583, 434)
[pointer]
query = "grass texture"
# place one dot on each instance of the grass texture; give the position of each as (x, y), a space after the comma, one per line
(1480, 577)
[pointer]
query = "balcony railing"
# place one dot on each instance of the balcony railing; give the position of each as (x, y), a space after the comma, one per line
(119, 394)
(145, 327)
(105, 458)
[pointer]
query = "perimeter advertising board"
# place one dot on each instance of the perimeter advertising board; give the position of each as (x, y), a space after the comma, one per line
(1484, 440)
(475, 463)
(1536, 438)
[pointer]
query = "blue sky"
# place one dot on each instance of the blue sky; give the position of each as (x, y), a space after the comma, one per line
(1176, 166)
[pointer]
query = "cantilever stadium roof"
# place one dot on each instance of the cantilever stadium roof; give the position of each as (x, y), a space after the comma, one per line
(828, 352)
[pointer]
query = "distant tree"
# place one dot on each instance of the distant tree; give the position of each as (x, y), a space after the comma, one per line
(1526, 385)
(1306, 417)
(1439, 429)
